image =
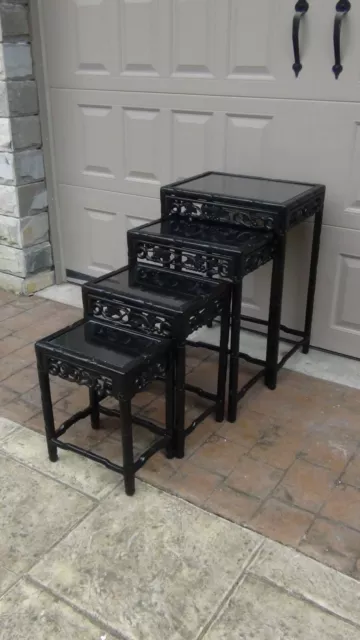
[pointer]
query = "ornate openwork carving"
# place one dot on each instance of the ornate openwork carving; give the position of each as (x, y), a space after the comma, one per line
(202, 316)
(169, 281)
(170, 258)
(246, 218)
(101, 384)
(254, 220)
(256, 259)
(154, 371)
(83, 377)
(125, 316)
(251, 219)
(305, 210)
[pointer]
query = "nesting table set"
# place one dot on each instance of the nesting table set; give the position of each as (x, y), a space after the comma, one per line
(185, 271)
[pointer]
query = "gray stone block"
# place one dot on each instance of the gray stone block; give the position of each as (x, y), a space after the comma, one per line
(38, 257)
(12, 261)
(22, 98)
(32, 199)
(7, 168)
(33, 230)
(15, 61)
(4, 104)
(19, 133)
(24, 232)
(9, 205)
(24, 201)
(5, 134)
(10, 231)
(18, 98)
(29, 166)
(22, 262)
(25, 132)
(21, 167)
(2, 64)
(13, 21)
(29, 285)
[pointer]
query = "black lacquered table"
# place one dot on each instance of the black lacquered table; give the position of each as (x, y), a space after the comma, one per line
(166, 304)
(259, 205)
(216, 252)
(113, 362)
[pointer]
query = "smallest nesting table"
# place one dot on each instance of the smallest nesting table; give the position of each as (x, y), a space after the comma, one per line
(110, 362)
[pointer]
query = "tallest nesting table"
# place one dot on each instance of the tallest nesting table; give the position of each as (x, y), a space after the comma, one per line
(260, 205)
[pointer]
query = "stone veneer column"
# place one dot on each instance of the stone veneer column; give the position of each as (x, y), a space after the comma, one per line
(25, 251)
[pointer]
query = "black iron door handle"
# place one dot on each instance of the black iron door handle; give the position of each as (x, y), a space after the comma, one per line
(301, 7)
(342, 9)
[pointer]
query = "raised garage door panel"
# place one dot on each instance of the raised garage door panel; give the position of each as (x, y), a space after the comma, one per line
(337, 310)
(210, 47)
(134, 142)
(95, 224)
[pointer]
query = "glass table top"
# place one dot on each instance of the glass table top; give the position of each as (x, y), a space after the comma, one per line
(161, 289)
(245, 187)
(115, 347)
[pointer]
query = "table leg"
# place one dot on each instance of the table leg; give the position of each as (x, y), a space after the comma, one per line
(312, 279)
(94, 405)
(209, 324)
(234, 349)
(132, 258)
(48, 413)
(223, 357)
(170, 390)
(180, 401)
(276, 295)
(127, 445)
(177, 259)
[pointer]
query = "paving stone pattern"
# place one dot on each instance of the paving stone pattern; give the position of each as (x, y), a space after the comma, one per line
(288, 469)
(79, 559)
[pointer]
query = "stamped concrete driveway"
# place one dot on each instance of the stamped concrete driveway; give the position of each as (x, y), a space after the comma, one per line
(79, 559)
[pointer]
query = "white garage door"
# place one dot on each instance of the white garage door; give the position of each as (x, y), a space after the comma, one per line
(144, 92)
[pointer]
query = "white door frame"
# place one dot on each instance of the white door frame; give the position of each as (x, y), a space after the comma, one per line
(46, 122)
